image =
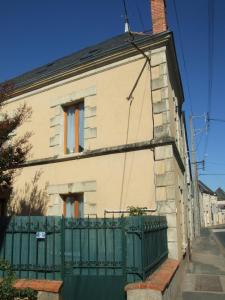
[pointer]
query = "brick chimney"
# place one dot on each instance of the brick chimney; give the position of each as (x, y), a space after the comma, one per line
(158, 13)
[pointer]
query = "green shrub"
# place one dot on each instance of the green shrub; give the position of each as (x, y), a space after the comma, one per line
(136, 211)
(7, 291)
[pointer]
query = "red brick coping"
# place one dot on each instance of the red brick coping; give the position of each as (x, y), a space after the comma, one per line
(159, 280)
(51, 286)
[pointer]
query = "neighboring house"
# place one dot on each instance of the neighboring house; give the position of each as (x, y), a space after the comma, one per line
(109, 132)
(220, 194)
(212, 205)
(208, 205)
(221, 204)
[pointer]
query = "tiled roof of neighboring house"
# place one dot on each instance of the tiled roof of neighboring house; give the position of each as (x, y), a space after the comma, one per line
(204, 188)
(86, 55)
(220, 194)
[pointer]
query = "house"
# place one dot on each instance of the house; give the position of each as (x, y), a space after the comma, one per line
(208, 205)
(109, 131)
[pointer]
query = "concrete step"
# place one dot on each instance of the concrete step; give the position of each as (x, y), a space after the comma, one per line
(187, 295)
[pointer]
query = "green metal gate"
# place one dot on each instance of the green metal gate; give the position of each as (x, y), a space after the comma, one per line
(93, 257)
(94, 287)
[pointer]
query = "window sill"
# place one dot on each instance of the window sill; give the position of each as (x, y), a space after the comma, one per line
(74, 154)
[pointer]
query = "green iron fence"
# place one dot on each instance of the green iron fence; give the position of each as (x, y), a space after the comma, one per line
(53, 247)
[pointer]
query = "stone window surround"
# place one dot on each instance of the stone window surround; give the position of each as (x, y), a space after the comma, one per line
(72, 188)
(57, 122)
(56, 191)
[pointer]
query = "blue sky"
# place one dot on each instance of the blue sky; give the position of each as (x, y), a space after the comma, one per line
(34, 33)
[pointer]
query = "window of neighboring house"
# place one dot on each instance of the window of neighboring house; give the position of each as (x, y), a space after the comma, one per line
(73, 206)
(74, 128)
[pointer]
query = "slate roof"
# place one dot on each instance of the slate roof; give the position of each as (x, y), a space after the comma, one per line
(220, 194)
(80, 57)
(204, 188)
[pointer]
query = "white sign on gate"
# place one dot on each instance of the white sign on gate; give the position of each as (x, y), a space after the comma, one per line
(40, 235)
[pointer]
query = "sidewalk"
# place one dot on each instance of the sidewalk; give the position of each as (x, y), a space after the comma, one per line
(205, 275)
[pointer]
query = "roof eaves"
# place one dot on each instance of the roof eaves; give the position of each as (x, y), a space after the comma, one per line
(34, 76)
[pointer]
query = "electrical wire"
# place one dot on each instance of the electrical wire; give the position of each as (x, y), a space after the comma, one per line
(183, 56)
(217, 120)
(210, 70)
(211, 52)
(130, 97)
(126, 14)
(213, 174)
(139, 15)
(200, 140)
(222, 164)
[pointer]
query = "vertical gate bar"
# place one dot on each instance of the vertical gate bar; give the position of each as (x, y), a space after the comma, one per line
(62, 247)
(134, 253)
(71, 228)
(114, 259)
(28, 256)
(53, 259)
(97, 246)
(124, 248)
(143, 248)
(79, 228)
(36, 258)
(12, 245)
(105, 243)
(20, 247)
(88, 225)
(46, 244)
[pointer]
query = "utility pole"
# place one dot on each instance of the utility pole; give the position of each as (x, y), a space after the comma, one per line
(197, 220)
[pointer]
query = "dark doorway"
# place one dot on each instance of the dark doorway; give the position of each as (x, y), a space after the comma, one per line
(2, 207)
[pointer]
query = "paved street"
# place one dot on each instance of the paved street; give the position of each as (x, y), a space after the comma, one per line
(220, 234)
(205, 276)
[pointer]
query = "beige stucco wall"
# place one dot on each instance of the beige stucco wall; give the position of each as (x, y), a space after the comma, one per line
(109, 88)
(117, 180)
(103, 181)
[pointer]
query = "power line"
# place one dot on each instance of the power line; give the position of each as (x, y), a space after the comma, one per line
(222, 164)
(126, 14)
(217, 120)
(183, 56)
(140, 15)
(213, 174)
(210, 68)
(200, 140)
(211, 52)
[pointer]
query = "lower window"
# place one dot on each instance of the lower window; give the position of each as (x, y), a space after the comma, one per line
(73, 206)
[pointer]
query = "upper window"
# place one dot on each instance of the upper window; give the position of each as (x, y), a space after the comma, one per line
(74, 128)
